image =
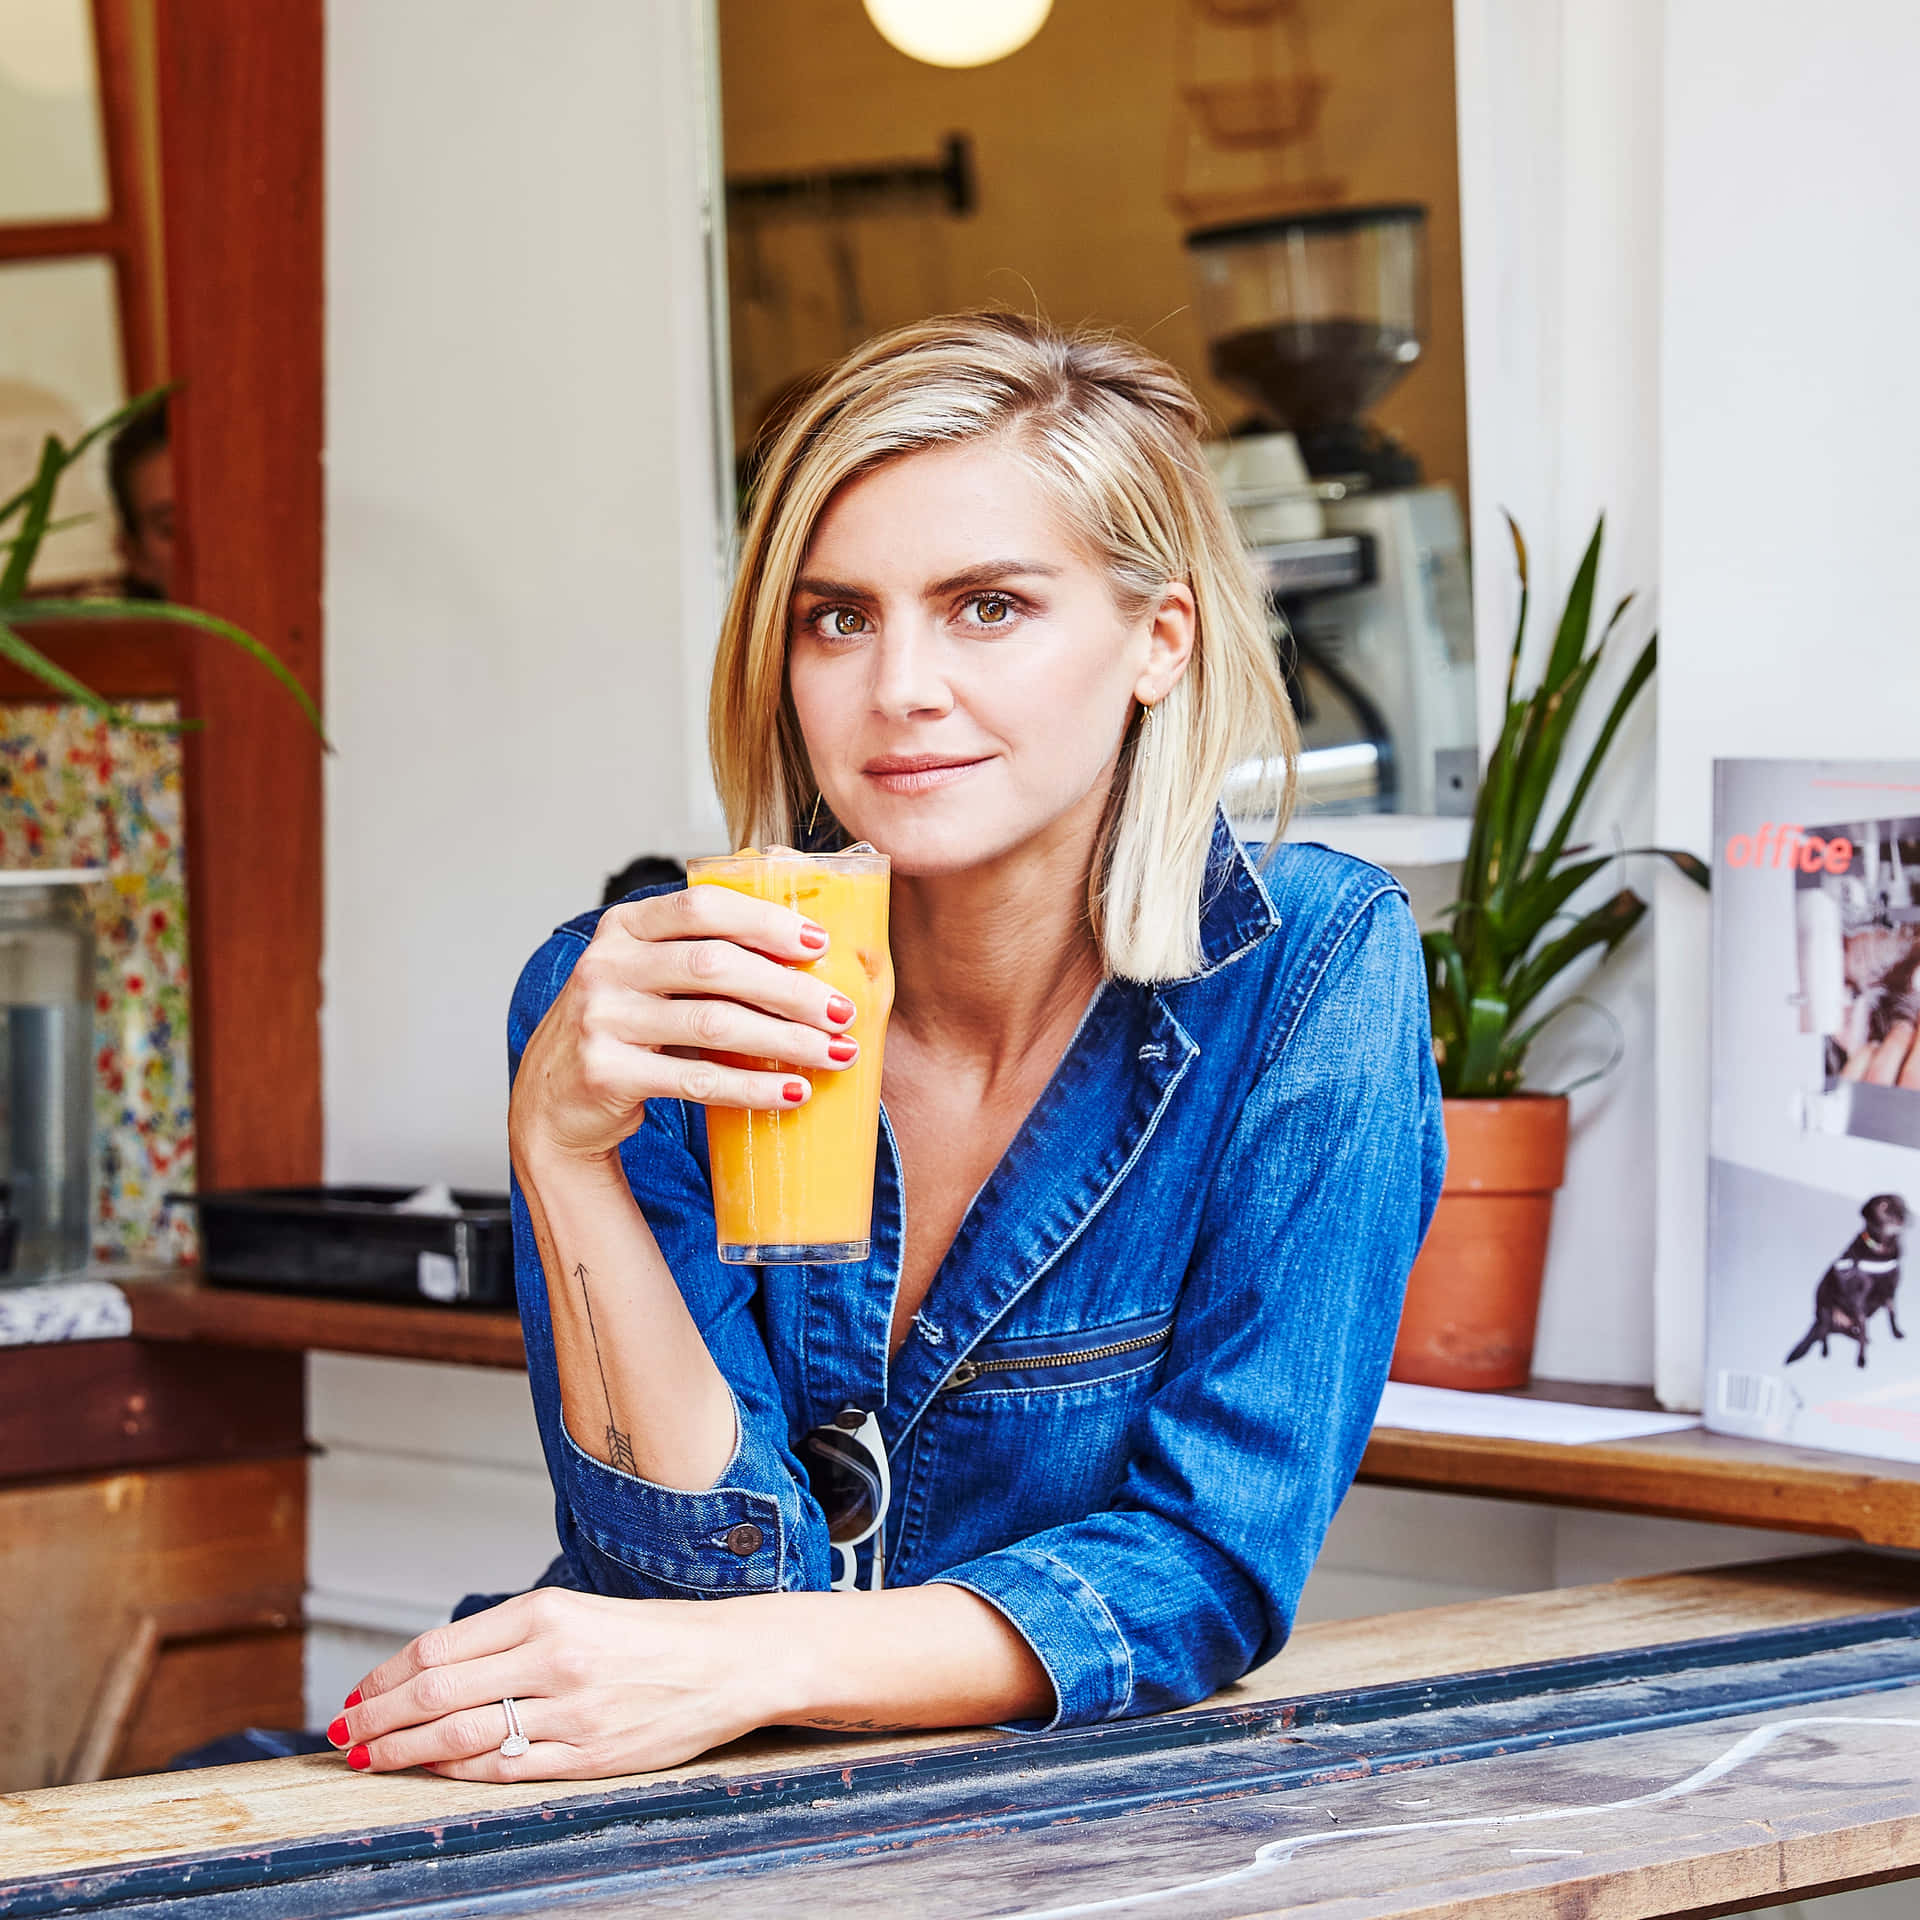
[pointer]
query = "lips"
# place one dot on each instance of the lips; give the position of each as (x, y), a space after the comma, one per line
(918, 772)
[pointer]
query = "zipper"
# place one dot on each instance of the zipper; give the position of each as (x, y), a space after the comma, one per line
(968, 1371)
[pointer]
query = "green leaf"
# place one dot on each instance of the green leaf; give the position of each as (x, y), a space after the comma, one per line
(29, 659)
(1613, 619)
(1689, 864)
(1446, 1002)
(1554, 716)
(1542, 896)
(139, 404)
(1488, 1016)
(1606, 926)
(1519, 1044)
(1637, 677)
(33, 525)
(163, 610)
(1570, 643)
(1486, 861)
(52, 527)
(1520, 625)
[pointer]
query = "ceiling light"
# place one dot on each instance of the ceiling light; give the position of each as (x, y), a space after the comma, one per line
(958, 33)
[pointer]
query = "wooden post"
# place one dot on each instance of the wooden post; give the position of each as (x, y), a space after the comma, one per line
(241, 130)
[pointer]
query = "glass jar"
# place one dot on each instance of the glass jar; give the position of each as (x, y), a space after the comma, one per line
(46, 1073)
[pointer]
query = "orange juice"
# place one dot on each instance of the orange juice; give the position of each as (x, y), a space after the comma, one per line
(798, 1184)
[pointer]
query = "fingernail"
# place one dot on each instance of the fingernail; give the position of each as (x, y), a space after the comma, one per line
(337, 1733)
(794, 1092)
(359, 1759)
(812, 936)
(842, 1050)
(352, 1699)
(839, 1009)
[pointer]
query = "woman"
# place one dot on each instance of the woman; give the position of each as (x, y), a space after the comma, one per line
(1163, 1131)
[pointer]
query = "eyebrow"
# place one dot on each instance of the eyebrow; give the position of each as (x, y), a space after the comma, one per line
(984, 575)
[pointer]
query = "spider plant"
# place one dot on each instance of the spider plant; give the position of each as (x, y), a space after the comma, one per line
(1513, 932)
(25, 521)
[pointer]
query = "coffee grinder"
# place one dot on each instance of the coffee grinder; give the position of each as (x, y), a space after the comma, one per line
(1313, 318)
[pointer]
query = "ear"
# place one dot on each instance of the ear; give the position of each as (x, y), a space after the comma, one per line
(1174, 627)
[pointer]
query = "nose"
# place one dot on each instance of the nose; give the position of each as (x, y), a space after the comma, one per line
(909, 680)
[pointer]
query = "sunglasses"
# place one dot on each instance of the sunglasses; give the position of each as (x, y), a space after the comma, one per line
(846, 1464)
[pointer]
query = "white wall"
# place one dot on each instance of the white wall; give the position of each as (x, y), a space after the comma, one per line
(521, 534)
(1792, 410)
(1560, 221)
(522, 578)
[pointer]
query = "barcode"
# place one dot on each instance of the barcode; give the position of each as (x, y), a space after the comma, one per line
(1753, 1396)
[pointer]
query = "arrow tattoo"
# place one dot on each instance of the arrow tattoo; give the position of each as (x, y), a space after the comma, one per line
(619, 1445)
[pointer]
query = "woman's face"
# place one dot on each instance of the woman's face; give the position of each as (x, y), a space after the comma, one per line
(961, 671)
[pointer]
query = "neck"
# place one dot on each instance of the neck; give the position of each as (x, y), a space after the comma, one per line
(987, 962)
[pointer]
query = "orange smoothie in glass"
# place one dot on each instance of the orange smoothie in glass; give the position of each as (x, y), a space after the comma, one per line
(798, 1185)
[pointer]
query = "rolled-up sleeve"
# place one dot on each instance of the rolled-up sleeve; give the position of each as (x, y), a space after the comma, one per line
(1280, 1347)
(757, 1529)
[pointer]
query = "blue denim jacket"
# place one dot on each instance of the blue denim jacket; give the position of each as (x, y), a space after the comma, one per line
(1143, 1376)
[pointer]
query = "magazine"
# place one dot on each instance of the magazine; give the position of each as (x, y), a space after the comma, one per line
(1815, 1127)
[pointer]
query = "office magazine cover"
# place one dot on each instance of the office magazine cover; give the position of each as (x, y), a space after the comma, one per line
(1815, 1135)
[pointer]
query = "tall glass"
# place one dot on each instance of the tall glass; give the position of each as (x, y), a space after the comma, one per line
(46, 1075)
(797, 1185)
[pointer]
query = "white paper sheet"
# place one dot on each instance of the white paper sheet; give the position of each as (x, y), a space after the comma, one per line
(1499, 1416)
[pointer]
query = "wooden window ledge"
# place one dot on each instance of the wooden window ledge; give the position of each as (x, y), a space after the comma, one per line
(1692, 1475)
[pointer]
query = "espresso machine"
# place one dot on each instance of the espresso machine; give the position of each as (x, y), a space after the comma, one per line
(1312, 318)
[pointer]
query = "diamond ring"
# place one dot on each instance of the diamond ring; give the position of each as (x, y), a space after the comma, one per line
(516, 1742)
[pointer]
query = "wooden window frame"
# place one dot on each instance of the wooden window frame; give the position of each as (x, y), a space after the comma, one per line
(241, 128)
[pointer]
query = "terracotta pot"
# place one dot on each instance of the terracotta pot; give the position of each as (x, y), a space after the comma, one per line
(1475, 1291)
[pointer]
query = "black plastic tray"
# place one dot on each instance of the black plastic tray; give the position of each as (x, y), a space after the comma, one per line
(349, 1242)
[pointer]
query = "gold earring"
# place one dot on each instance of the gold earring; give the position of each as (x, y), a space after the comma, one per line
(813, 819)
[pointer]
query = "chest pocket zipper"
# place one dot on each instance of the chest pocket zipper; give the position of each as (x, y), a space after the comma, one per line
(968, 1371)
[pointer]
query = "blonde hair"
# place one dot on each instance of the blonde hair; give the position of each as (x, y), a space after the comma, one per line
(1115, 434)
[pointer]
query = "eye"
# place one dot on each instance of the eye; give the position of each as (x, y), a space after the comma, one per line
(838, 623)
(991, 609)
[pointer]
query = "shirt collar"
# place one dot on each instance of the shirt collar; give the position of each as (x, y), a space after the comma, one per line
(1236, 910)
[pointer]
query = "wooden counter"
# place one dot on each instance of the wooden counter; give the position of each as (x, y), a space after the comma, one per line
(1839, 1807)
(1678, 1476)
(180, 1306)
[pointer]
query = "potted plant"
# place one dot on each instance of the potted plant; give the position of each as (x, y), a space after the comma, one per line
(25, 521)
(1511, 934)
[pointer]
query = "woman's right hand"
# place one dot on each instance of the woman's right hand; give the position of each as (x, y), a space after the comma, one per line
(665, 983)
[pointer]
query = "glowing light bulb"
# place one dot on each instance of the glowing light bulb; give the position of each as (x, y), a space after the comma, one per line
(958, 33)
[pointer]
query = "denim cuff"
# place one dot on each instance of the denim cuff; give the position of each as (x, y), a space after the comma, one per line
(744, 1534)
(1070, 1628)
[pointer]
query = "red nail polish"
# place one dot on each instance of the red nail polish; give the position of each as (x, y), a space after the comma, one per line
(359, 1759)
(794, 1092)
(842, 1050)
(337, 1733)
(352, 1699)
(839, 1009)
(813, 936)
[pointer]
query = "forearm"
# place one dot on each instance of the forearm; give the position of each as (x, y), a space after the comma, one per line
(638, 1388)
(932, 1656)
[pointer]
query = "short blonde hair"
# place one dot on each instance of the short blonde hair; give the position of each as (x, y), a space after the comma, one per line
(1115, 434)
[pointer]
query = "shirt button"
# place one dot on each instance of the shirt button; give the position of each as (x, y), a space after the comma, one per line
(744, 1539)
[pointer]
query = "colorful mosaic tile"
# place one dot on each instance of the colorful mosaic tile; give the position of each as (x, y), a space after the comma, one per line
(74, 793)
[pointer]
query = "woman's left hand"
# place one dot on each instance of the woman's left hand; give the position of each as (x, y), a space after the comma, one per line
(602, 1687)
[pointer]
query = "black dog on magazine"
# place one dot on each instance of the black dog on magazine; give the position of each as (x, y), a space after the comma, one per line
(1862, 1281)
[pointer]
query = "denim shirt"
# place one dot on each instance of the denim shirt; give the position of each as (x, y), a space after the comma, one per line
(1143, 1375)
